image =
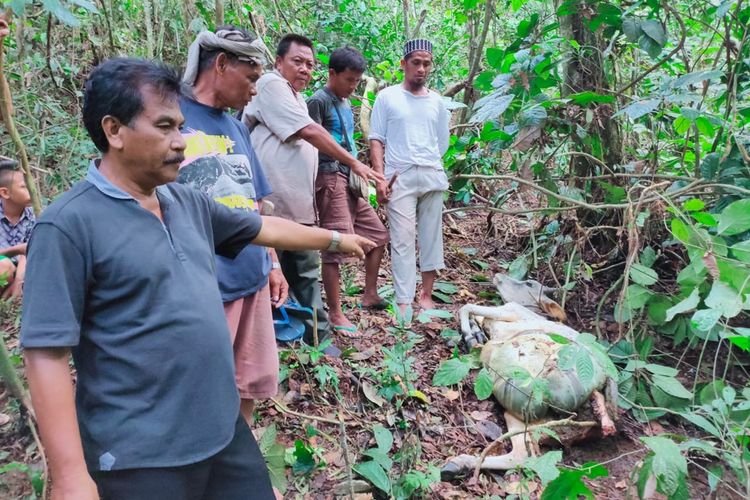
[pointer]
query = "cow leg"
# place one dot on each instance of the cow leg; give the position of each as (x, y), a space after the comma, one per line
(464, 464)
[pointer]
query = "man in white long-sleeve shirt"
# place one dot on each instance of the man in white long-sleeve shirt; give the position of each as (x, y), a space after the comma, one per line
(409, 135)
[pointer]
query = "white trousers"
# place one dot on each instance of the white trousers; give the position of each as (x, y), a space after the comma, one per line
(415, 212)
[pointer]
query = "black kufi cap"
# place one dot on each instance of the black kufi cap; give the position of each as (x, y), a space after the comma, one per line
(417, 44)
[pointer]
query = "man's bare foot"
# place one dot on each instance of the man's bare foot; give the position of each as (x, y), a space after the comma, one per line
(426, 302)
(373, 301)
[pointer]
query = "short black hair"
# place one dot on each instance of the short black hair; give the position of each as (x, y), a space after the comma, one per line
(287, 40)
(207, 57)
(346, 58)
(115, 88)
(7, 168)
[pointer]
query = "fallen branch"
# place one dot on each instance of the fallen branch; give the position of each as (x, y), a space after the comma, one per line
(566, 422)
(284, 409)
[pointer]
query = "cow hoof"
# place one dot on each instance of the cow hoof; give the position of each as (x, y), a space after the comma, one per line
(459, 466)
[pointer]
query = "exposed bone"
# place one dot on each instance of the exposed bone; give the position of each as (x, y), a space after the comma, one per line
(599, 406)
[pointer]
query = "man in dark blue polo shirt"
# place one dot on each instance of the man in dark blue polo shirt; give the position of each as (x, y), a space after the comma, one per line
(121, 272)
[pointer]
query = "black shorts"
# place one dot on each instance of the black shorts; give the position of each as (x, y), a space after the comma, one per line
(238, 472)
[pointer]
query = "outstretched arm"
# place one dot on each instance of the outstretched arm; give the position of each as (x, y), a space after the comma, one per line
(52, 397)
(319, 137)
(281, 233)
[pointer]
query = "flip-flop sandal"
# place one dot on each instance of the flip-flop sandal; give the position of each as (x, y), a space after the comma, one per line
(378, 306)
(350, 332)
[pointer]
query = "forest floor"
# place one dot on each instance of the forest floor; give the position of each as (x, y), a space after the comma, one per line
(445, 423)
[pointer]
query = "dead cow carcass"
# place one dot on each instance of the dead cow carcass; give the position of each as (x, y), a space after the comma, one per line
(540, 368)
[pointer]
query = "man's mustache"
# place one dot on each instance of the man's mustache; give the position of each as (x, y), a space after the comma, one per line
(175, 159)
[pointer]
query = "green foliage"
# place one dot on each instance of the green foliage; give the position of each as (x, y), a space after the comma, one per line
(34, 475)
(380, 471)
(273, 452)
(666, 463)
(569, 483)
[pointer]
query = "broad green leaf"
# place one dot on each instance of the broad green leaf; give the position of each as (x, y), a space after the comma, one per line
(681, 124)
(569, 484)
(450, 372)
(648, 257)
(724, 298)
(545, 467)
(694, 205)
(304, 460)
(374, 473)
(383, 437)
(680, 230)
(558, 338)
(519, 267)
(267, 439)
(380, 457)
(566, 357)
(85, 4)
(714, 477)
(584, 365)
(491, 107)
(585, 98)
(643, 275)
(741, 251)
(702, 423)
(735, 218)
(636, 296)
(632, 28)
(276, 464)
(696, 77)
(685, 305)
(705, 319)
(667, 464)
(705, 218)
(18, 6)
(704, 126)
(741, 342)
(650, 46)
(483, 384)
(710, 165)
(638, 109)
(655, 31)
(671, 386)
(57, 9)
(657, 309)
(667, 371)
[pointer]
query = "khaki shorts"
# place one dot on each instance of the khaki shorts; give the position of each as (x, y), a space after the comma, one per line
(256, 357)
(339, 210)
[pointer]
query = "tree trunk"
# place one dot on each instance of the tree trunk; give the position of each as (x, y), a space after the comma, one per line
(149, 22)
(476, 54)
(405, 7)
(219, 12)
(584, 71)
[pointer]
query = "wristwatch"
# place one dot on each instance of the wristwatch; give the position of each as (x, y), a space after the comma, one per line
(335, 240)
(275, 265)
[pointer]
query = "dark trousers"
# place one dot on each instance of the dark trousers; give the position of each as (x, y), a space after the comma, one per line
(301, 270)
(238, 472)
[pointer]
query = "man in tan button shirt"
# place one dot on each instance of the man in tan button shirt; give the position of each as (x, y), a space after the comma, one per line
(287, 141)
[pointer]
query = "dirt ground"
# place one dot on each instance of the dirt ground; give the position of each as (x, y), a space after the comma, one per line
(451, 422)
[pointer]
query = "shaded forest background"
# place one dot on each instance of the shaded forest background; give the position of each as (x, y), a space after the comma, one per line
(601, 147)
